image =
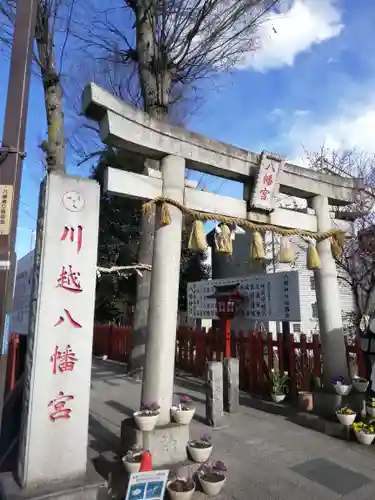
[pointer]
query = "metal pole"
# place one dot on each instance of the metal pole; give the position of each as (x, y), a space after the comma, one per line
(11, 157)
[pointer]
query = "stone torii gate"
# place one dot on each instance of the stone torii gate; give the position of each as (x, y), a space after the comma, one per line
(124, 127)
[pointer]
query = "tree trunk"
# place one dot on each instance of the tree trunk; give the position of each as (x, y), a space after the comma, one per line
(155, 82)
(54, 147)
(55, 151)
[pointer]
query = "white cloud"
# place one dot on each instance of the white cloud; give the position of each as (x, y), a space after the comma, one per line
(285, 35)
(352, 127)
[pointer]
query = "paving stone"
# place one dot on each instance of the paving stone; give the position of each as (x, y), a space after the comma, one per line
(339, 479)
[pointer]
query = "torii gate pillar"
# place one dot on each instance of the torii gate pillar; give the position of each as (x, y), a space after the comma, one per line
(158, 377)
(328, 300)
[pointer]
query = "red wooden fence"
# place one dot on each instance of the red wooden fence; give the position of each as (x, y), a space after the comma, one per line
(257, 354)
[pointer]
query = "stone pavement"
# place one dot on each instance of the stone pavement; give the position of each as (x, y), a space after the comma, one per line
(268, 456)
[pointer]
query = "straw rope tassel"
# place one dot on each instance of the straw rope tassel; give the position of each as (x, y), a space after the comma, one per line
(197, 238)
(313, 259)
(336, 248)
(165, 215)
(147, 208)
(257, 247)
(286, 254)
(223, 240)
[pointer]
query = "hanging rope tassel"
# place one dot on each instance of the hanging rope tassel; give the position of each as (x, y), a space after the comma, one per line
(165, 215)
(286, 254)
(313, 259)
(197, 238)
(223, 240)
(147, 208)
(257, 247)
(336, 248)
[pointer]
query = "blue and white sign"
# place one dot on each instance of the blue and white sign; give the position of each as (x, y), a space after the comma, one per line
(147, 485)
(22, 295)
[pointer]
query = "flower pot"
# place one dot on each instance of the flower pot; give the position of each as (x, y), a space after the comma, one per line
(131, 466)
(182, 417)
(211, 487)
(371, 411)
(180, 495)
(346, 419)
(305, 400)
(278, 397)
(342, 389)
(364, 438)
(360, 386)
(145, 422)
(200, 455)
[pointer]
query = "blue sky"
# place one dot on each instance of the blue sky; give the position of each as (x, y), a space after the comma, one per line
(312, 82)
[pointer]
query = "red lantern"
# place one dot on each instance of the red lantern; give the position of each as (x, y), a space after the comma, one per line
(229, 302)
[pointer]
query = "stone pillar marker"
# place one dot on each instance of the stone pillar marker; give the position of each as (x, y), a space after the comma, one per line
(158, 378)
(214, 393)
(54, 434)
(328, 300)
(231, 367)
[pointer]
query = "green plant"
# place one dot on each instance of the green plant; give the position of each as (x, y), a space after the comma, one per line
(279, 382)
(203, 442)
(371, 402)
(134, 454)
(362, 427)
(345, 411)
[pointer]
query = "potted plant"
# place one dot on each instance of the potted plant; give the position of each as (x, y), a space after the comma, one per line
(212, 476)
(305, 398)
(346, 416)
(279, 385)
(340, 387)
(365, 433)
(147, 416)
(360, 384)
(370, 407)
(181, 488)
(184, 412)
(132, 460)
(200, 449)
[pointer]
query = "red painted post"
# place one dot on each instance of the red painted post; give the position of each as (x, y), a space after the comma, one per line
(269, 351)
(280, 348)
(242, 360)
(252, 360)
(317, 370)
(192, 341)
(292, 366)
(227, 348)
(304, 365)
(261, 363)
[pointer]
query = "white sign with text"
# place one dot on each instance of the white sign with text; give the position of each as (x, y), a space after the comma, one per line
(268, 297)
(22, 295)
(266, 185)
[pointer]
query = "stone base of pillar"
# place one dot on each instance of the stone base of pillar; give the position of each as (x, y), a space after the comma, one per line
(90, 487)
(231, 368)
(325, 404)
(166, 443)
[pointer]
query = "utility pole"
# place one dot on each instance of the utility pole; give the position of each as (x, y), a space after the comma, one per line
(11, 157)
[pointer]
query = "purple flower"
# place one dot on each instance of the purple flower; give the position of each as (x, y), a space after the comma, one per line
(149, 406)
(205, 438)
(338, 380)
(219, 466)
(185, 398)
